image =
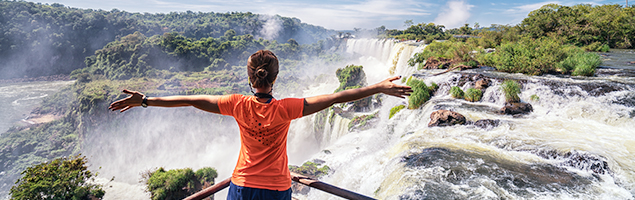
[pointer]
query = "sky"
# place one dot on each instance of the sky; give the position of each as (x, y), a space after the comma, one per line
(349, 14)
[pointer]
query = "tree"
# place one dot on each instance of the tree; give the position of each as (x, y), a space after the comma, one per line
(62, 178)
(408, 23)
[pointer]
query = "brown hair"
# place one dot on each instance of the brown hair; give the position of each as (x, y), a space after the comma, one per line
(262, 68)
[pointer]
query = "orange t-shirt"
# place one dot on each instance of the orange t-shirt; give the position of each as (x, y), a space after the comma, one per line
(262, 161)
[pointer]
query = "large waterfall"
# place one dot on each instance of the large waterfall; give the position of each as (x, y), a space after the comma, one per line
(578, 143)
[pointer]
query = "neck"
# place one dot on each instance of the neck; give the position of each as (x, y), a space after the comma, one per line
(265, 90)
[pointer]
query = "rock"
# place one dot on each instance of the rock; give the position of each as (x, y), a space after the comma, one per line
(481, 84)
(445, 118)
(516, 108)
(487, 123)
(437, 63)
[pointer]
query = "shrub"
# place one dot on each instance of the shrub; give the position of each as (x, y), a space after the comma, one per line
(433, 87)
(361, 121)
(511, 89)
(310, 169)
(177, 183)
(395, 109)
(456, 92)
(420, 93)
(62, 178)
(458, 51)
(586, 64)
(539, 56)
(473, 94)
(597, 47)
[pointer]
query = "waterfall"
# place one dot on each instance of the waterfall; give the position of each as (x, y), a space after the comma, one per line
(577, 143)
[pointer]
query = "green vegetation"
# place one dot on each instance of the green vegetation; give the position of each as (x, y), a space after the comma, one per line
(178, 183)
(361, 122)
(421, 93)
(511, 89)
(534, 97)
(44, 31)
(456, 92)
(136, 55)
(427, 32)
(540, 56)
(62, 178)
(310, 169)
(473, 94)
(457, 52)
(353, 77)
(395, 110)
(552, 39)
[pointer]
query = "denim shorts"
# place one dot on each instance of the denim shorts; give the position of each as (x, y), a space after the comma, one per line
(247, 193)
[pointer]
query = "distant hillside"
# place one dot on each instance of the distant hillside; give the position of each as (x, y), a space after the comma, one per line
(39, 39)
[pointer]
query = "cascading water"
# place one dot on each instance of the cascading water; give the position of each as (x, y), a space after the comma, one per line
(576, 144)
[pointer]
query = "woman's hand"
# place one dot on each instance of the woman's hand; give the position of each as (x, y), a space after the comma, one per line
(317, 103)
(131, 101)
(388, 87)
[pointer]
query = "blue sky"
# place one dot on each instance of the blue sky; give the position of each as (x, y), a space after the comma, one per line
(349, 14)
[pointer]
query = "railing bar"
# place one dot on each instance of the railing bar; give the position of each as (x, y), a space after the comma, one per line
(295, 177)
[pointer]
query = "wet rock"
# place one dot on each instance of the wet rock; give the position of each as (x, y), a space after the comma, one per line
(437, 63)
(487, 123)
(462, 167)
(445, 118)
(516, 108)
(481, 84)
(578, 160)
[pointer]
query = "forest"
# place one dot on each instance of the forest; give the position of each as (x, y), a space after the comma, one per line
(53, 39)
(206, 53)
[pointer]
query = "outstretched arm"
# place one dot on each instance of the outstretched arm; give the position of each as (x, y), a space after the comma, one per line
(204, 102)
(317, 103)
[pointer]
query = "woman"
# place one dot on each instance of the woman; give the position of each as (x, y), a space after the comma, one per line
(261, 171)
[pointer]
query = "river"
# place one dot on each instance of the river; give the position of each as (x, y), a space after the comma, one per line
(18, 99)
(578, 143)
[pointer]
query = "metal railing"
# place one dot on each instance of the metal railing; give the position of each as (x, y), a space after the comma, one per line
(295, 177)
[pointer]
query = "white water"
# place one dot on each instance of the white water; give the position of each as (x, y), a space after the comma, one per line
(371, 161)
(18, 99)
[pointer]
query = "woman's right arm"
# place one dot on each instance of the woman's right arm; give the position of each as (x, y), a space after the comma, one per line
(317, 103)
(207, 103)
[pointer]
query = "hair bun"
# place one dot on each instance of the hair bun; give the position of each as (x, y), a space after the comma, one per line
(261, 73)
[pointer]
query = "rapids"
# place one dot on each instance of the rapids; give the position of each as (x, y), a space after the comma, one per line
(577, 143)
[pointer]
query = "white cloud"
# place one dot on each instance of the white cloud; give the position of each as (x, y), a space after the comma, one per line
(518, 13)
(455, 14)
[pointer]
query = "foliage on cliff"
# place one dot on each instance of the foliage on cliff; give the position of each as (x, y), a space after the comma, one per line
(353, 77)
(178, 183)
(62, 178)
(57, 38)
(136, 55)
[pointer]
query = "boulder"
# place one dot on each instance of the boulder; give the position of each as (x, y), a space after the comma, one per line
(445, 118)
(481, 84)
(516, 108)
(487, 123)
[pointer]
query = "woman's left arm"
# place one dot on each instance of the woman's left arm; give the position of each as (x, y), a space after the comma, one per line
(317, 103)
(207, 103)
